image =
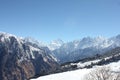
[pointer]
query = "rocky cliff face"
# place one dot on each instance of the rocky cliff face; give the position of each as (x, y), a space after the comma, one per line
(20, 60)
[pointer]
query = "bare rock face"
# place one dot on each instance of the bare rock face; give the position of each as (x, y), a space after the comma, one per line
(20, 60)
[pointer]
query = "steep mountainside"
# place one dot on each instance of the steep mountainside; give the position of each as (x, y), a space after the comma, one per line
(22, 60)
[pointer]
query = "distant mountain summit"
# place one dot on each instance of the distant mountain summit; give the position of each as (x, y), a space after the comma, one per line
(55, 44)
(21, 59)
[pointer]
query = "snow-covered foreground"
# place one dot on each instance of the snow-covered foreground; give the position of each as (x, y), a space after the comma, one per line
(70, 75)
(76, 74)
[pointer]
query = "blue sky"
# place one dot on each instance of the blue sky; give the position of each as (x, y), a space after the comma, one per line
(47, 20)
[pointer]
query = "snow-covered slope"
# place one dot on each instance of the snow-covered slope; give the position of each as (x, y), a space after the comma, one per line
(77, 74)
(70, 75)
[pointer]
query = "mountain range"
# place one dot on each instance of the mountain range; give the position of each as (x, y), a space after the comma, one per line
(86, 47)
(79, 49)
(26, 58)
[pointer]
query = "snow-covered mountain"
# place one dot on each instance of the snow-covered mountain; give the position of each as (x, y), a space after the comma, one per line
(77, 49)
(55, 44)
(25, 58)
(22, 60)
(86, 47)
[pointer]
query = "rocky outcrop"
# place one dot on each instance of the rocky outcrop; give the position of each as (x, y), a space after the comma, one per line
(22, 61)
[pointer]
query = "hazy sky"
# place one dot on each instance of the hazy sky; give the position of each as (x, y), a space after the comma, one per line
(47, 20)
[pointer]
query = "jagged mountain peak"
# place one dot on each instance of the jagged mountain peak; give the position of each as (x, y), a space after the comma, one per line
(55, 44)
(34, 41)
(8, 38)
(6, 35)
(22, 61)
